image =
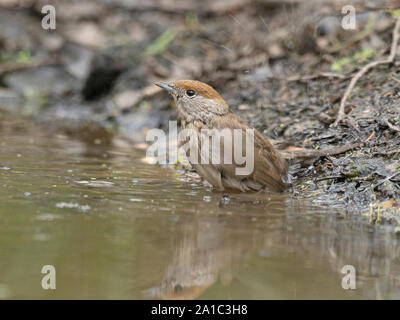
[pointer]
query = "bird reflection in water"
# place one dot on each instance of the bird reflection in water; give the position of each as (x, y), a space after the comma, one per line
(209, 246)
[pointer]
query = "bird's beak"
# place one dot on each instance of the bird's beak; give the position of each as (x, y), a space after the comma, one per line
(165, 86)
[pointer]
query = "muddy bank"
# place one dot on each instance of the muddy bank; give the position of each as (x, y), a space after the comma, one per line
(282, 66)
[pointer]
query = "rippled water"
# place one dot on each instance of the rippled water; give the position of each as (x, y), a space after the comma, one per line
(114, 227)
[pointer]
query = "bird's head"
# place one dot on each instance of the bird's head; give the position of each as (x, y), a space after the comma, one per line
(196, 100)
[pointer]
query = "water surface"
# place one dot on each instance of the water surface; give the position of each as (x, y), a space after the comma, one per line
(116, 228)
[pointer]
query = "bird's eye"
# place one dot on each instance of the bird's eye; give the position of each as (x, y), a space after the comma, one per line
(190, 93)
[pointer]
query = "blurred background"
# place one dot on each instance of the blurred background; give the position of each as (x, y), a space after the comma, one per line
(96, 68)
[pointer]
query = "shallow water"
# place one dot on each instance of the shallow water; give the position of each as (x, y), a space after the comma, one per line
(116, 228)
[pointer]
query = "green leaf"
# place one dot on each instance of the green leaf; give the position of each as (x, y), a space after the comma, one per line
(395, 13)
(23, 57)
(161, 43)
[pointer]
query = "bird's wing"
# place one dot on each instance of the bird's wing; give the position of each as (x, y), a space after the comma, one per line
(270, 169)
(197, 157)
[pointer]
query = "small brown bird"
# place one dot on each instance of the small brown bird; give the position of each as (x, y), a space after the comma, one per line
(201, 107)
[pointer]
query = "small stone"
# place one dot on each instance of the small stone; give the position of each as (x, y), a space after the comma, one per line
(224, 199)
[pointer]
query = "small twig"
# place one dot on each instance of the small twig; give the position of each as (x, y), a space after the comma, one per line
(311, 76)
(386, 154)
(365, 69)
(370, 137)
(305, 154)
(328, 178)
(395, 78)
(12, 67)
(366, 178)
(387, 179)
(353, 124)
(392, 126)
